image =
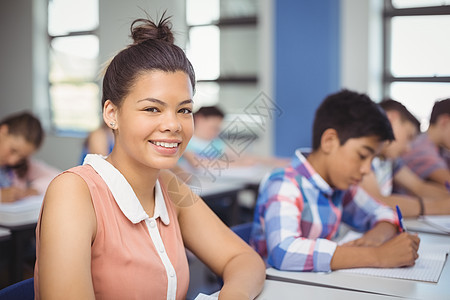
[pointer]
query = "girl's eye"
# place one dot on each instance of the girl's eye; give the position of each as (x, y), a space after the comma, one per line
(152, 109)
(185, 111)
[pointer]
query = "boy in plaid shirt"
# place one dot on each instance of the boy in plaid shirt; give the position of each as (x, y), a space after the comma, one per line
(300, 207)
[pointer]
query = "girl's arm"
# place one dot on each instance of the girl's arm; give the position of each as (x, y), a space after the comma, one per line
(67, 229)
(242, 269)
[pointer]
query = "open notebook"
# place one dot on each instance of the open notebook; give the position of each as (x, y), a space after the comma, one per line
(428, 266)
(439, 222)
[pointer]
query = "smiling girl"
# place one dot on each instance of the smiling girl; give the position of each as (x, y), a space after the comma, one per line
(117, 226)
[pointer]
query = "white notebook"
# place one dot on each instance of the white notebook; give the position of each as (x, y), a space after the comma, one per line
(428, 266)
(439, 222)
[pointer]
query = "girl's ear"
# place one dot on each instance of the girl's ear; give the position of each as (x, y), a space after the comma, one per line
(4, 130)
(329, 140)
(110, 114)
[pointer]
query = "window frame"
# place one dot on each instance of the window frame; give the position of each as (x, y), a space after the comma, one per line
(389, 11)
(72, 132)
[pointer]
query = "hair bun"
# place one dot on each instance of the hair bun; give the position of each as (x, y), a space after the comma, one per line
(145, 29)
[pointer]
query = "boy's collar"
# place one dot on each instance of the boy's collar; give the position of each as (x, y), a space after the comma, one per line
(304, 168)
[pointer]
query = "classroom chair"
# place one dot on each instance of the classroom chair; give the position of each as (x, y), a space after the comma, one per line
(23, 290)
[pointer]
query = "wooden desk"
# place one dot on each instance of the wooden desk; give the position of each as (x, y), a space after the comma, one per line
(378, 285)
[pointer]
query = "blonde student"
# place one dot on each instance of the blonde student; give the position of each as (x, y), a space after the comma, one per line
(300, 207)
(117, 227)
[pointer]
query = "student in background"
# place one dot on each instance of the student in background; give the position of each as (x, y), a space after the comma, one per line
(389, 170)
(208, 125)
(300, 208)
(130, 217)
(100, 141)
(429, 154)
(21, 135)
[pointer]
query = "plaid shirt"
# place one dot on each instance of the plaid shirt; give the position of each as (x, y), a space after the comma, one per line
(298, 213)
(425, 157)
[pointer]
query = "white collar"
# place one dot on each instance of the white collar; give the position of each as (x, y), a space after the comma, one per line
(123, 192)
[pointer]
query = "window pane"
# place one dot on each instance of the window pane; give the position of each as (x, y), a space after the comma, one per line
(203, 51)
(206, 94)
(65, 16)
(420, 46)
(419, 98)
(74, 58)
(202, 11)
(75, 107)
(239, 49)
(238, 8)
(418, 3)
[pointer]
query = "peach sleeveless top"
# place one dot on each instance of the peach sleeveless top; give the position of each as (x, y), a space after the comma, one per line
(133, 256)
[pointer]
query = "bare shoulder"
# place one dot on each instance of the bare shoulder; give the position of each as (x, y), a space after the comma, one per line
(67, 183)
(67, 192)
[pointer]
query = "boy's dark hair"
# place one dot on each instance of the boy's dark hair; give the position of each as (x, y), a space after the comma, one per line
(26, 125)
(352, 115)
(440, 108)
(392, 105)
(210, 111)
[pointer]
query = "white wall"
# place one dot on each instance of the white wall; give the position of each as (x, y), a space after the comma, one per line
(361, 46)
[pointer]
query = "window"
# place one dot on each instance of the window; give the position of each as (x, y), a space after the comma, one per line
(417, 60)
(73, 65)
(223, 49)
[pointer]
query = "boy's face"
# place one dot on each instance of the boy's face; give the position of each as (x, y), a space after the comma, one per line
(444, 130)
(208, 128)
(348, 163)
(404, 132)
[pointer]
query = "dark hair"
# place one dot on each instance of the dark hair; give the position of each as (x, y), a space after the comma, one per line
(439, 108)
(153, 49)
(392, 105)
(210, 111)
(26, 125)
(352, 115)
(29, 127)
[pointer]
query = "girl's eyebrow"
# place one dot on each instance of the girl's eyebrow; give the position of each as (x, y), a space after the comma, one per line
(189, 101)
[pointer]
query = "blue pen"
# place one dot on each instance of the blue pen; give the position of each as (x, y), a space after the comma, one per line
(447, 185)
(400, 219)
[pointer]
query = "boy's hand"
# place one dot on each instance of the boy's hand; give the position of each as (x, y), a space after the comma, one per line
(375, 237)
(399, 251)
(363, 241)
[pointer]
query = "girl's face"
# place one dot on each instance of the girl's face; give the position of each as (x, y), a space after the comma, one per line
(154, 123)
(13, 148)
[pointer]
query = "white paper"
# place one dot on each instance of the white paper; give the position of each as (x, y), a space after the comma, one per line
(439, 222)
(202, 296)
(428, 266)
